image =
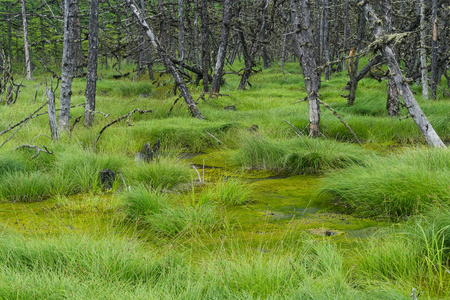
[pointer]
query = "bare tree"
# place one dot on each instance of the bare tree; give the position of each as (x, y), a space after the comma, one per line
(411, 104)
(68, 63)
(25, 41)
(91, 71)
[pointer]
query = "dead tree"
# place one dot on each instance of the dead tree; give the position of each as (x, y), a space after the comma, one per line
(221, 53)
(403, 88)
(91, 71)
(168, 64)
(68, 63)
(304, 44)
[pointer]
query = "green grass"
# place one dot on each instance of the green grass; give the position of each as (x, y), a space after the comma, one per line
(180, 240)
(298, 156)
(25, 186)
(229, 191)
(165, 173)
(394, 186)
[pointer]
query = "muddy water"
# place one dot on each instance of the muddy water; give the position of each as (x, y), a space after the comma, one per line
(279, 207)
(284, 204)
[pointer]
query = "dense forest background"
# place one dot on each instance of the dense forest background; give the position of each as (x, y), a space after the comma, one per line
(201, 36)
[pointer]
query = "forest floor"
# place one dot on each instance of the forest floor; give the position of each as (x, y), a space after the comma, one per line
(234, 206)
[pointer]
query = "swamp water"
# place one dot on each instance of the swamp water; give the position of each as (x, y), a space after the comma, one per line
(281, 209)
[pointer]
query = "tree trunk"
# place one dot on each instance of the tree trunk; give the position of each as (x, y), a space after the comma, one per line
(353, 63)
(25, 41)
(52, 114)
(423, 53)
(393, 102)
(326, 34)
(435, 78)
(180, 29)
(78, 47)
(222, 52)
(305, 50)
(169, 65)
(403, 88)
(205, 45)
(68, 63)
(91, 70)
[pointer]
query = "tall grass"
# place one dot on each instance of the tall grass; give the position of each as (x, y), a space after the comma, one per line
(25, 186)
(393, 186)
(298, 156)
(111, 268)
(162, 214)
(78, 171)
(229, 191)
(165, 173)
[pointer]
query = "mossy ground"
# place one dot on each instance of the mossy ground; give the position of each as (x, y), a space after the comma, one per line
(282, 223)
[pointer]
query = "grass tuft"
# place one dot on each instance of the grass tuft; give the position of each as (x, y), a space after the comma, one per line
(393, 186)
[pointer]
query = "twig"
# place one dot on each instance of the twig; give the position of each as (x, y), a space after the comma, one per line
(340, 119)
(297, 131)
(213, 137)
(32, 115)
(99, 112)
(127, 116)
(8, 139)
(405, 117)
(304, 99)
(39, 136)
(198, 173)
(37, 148)
(173, 105)
(77, 120)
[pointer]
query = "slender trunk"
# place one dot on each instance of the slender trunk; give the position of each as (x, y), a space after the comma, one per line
(91, 70)
(344, 42)
(326, 34)
(181, 29)
(423, 53)
(196, 34)
(354, 59)
(41, 21)
(434, 51)
(78, 47)
(393, 101)
(68, 63)
(403, 88)
(205, 45)
(222, 52)
(306, 55)
(169, 65)
(25, 41)
(119, 51)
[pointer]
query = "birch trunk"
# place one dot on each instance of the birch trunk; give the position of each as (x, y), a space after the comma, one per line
(25, 41)
(91, 70)
(205, 46)
(423, 52)
(403, 88)
(434, 51)
(68, 63)
(169, 65)
(222, 52)
(180, 29)
(304, 43)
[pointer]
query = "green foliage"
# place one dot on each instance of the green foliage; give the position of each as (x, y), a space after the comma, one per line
(298, 156)
(135, 89)
(165, 173)
(10, 163)
(78, 171)
(184, 219)
(394, 186)
(141, 202)
(25, 186)
(229, 191)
